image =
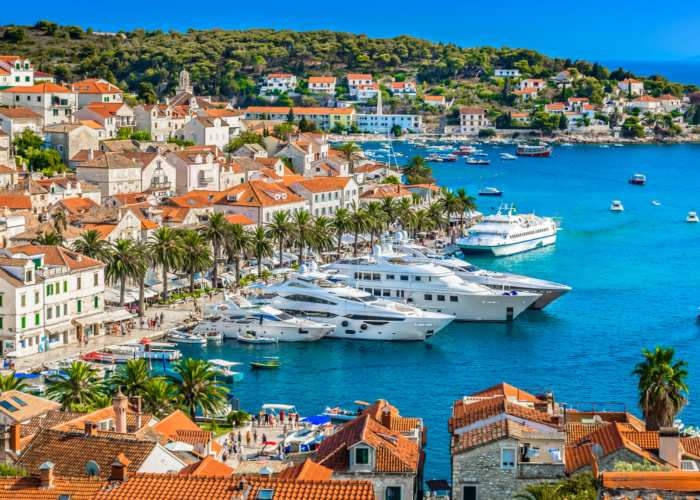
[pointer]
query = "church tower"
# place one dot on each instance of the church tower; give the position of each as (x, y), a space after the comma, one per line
(184, 83)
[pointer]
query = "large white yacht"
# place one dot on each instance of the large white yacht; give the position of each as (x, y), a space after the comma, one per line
(500, 282)
(233, 318)
(431, 287)
(357, 314)
(506, 233)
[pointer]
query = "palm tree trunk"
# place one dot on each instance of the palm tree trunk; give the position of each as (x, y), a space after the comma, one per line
(280, 263)
(238, 269)
(301, 247)
(192, 282)
(340, 244)
(216, 256)
(356, 231)
(142, 293)
(461, 223)
(122, 292)
(165, 284)
(260, 266)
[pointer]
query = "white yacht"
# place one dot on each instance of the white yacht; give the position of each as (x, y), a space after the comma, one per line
(506, 233)
(432, 288)
(233, 319)
(617, 206)
(500, 282)
(692, 217)
(357, 314)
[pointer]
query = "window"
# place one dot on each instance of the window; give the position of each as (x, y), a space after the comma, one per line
(265, 494)
(404, 278)
(23, 300)
(689, 465)
(65, 309)
(8, 406)
(470, 492)
(417, 278)
(80, 306)
(58, 311)
(388, 276)
(37, 319)
(49, 313)
(507, 458)
(376, 277)
(0, 300)
(29, 276)
(387, 293)
(38, 99)
(0, 323)
(55, 112)
(79, 283)
(441, 298)
(393, 493)
(36, 297)
(361, 456)
(428, 296)
(65, 286)
(49, 290)
(454, 298)
(17, 80)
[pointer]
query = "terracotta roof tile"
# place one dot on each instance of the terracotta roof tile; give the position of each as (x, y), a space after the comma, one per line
(18, 113)
(178, 421)
(239, 219)
(29, 488)
(307, 471)
(105, 159)
(41, 88)
(505, 390)
(321, 79)
(302, 111)
(95, 86)
(16, 202)
(257, 193)
(207, 467)
(57, 256)
(465, 415)
(357, 76)
(35, 406)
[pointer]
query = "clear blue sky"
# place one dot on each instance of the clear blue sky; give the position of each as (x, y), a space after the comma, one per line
(595, 30)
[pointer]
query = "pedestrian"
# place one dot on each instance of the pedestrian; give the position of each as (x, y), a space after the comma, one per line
(247, 438)
(255, 438)
(258, 419)
(128, 329)
(267, 419)
(264, 438)
(142, 322)
(240, 439)
(296, 416)
(225, 457)
(282, 415)
(235, 448)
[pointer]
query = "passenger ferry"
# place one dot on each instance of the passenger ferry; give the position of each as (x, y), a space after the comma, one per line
(527, 150)
(506, 233)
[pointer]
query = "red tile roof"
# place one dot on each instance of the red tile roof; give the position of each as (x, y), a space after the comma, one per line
(239, 219)
(354, 76)
(505, 390)
(207, 467)
(178, 421)
(435, 98)
(29, 488)
(558, 106)
(18, 112)
(471, 111)
(95, 86)
(58, 256)
(660, 480)
(646, 98)
(665, 97)
(321, 79)
(527, 90)
(16, 202)
(41, 88)
(307, 471)
(302, 111)
(465, 415)
(630, 80)
(258, 193)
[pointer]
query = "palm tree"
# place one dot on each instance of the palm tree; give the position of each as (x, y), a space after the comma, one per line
(649, 119)
(376, 218)
(12, 383)
(341, 225)
(126, 262)
(541, 490)
(97, 402)
(304, 223)
(78, 386)
(260, 246)
(390, 209)
(615, 116)
(350, 152)
(48, 239)
(468, 204)
(436, 214)
(197, 388)
(133, 376)
(661, 387)
(60, 223)
(91, 245)
(244, 138)
(217, 231)
(417, 166)
(197, 255)
(406, 212)
(321, 239)
(143, 247)
(166, 251)
(238, 244)
(451, 204)
(358, 222)
(422, 221)
(281, 229)
(160, 397)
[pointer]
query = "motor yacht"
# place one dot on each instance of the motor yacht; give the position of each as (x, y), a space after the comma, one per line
(358, 314)
(692, 217)
(490, 192)
(499, 282)
(430, 287)
(506, 233)
(637, 179)
(224, 368)
(146, 349)
(260, 320)
(506, 156)
(617, 206)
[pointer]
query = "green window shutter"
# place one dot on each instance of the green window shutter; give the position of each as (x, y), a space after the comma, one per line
(24, 322)
(37, 263)
(48, 289)
(97, 302)
(0, 323)
(0, 300)
(36, 318)
(65, 286)
(79, 306)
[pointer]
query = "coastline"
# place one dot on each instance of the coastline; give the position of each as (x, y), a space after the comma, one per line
(557, 138)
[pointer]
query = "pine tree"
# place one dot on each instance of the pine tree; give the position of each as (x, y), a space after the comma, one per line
(110, 77)
(303, 125)
(290, 116)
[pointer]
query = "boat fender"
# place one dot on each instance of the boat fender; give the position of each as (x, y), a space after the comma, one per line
(345, 323)
(363, 326)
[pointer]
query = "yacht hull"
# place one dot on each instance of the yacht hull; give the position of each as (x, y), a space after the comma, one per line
(410, 329)
(511, 249)
(478, 308)
(290, 333)
(548, 290)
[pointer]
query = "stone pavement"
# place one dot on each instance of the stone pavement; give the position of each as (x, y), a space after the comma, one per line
(274, 434)
(174, 318)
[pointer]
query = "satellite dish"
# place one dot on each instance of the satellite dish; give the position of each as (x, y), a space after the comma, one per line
(92, 468)
(540, 397)
(597, 451)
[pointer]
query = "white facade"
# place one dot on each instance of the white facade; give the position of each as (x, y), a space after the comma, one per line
(15, 121)
(16, 72)
(322, 85)
(505, 73)
(531, 83)
(195, 170)
(382, 124)
(280, 82)
(112, 116)
(53, 102)
(631, 86)
(354, 81)
(471, 120)
(208, 131)
(403, 89)
(95, 90)
(366, 92)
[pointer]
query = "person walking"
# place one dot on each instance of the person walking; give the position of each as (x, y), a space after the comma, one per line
(141, 322)
(296, 416)
(264, 438)
(255, 438)
(247, 438)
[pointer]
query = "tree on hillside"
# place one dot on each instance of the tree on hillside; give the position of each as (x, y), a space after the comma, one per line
(147, 93)
(290, 116)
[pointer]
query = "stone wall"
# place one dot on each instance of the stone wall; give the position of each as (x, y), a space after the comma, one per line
(607, 463)
(481, 467)
(380, 481)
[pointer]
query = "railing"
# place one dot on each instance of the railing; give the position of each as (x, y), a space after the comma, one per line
(45, 272)
(158, 184)
(206, 180)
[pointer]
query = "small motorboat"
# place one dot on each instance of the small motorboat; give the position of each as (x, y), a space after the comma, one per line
(480, 154)
(656, 202)
(618, 145)
(186, 338)
(490, 192)
(506, 156)
(692, 217)
(472, 161)
(251, 338)
(617, 207)
(604, 146)
(566, 145)
(272, 364)
(54, 375)
(637, 179)
(224, 368)
(214, 336)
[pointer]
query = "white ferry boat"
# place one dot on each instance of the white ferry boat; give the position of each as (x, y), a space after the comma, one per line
(431, 287)
(506, 233)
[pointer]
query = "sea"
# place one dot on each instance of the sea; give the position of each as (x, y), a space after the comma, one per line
(685, 72)
(635, 284)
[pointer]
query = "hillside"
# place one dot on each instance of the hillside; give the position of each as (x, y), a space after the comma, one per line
(229, 63)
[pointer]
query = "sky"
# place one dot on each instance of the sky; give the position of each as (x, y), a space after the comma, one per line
(593, 30)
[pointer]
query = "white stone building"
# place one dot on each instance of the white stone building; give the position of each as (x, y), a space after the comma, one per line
(16, 72)
(112, 116)
(382, 124)
(631, 86)
(280, 82)
(52, 102)
(95, 90)
(322, 85)
(326, 194)
(403, 89)
(532, 83)
(355, 80)
(208, 131)
(162, 121)
(506, 73)
(259, 200)
(15, 120)
(366, 92)
(471, 120)
(111, 172)
(195, 170)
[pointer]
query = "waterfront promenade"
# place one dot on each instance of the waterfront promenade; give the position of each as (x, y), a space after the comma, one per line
(173, 318)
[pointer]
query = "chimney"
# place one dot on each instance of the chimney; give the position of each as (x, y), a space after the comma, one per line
(564, 406)
(90, 154)
(120, 403)
(119, 467)
(46, 475)
(136, 400)
(386, 417)
(669, 444)
(90, 428)
(4, 442)
(15, 432)
(119, 215)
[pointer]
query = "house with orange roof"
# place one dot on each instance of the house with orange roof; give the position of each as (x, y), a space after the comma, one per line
(162, 121)
(231, 116)
(376, 193)
(194, 170)
(355, 80)
(300, 153)
(322, 85)
(210, 131)
(50, 101)
(278, 83)
(526, 94)
(70, 137)
(326, 194)
(532, 83)
(501, 437)
(435, 100)
(631, 86)
(325, 118)
(16, 71)
(403, 89)
(668, 101)
(563, 76)
(112, 223)
(646, 103)
(259, 200)
(378, 446)
(110, 115)
(157, 173)
(659, 485)
(60, 187)
(180, 428)
(184, 210)
(96, 90)
(15, 119)
(471, 120)
(72, 206)
(364, 93)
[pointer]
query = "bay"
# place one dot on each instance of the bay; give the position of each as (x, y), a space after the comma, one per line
(685, 72)
(635, 279)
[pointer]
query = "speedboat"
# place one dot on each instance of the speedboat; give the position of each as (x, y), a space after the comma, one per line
(618, 145)
(604, 146)
(224, 367)
(480, 154)
(240, 316)
(617, 207)
(251, 338)
(472, 161)
(500, 282)
(506, 233)
(430, 288)
(692, 217)
(506, 156)
(637, 179)
(358, 313)
(214, 336)
(566, 145)
(303, 439)
(186, 338)
(656, 203)
(490, 192)
(528, 150)
(146, 349)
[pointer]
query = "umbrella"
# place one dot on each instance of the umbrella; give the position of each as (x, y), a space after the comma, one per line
(271, 443)
(178, 446)
(259, 285)
(11, 354)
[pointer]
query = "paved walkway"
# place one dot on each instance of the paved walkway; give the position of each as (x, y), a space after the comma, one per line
(174, 318)
(272, 434)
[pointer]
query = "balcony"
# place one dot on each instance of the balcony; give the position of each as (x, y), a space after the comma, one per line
(206, 180)
(61, 103)
(48, 272)
(160, 184)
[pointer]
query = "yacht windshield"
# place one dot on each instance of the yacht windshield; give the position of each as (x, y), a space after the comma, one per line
(471, 268)
(284, 316)
(369, 298)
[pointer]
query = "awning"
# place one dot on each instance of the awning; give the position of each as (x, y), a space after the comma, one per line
(120, 315)
(83, 321)
(101, 318)
(62, 327)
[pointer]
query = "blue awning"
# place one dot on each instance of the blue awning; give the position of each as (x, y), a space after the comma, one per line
(317, 419)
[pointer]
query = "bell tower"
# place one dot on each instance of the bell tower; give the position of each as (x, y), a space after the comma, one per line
(184, 83)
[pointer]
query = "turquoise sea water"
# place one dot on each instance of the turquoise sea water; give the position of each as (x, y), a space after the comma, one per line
(635, 279)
